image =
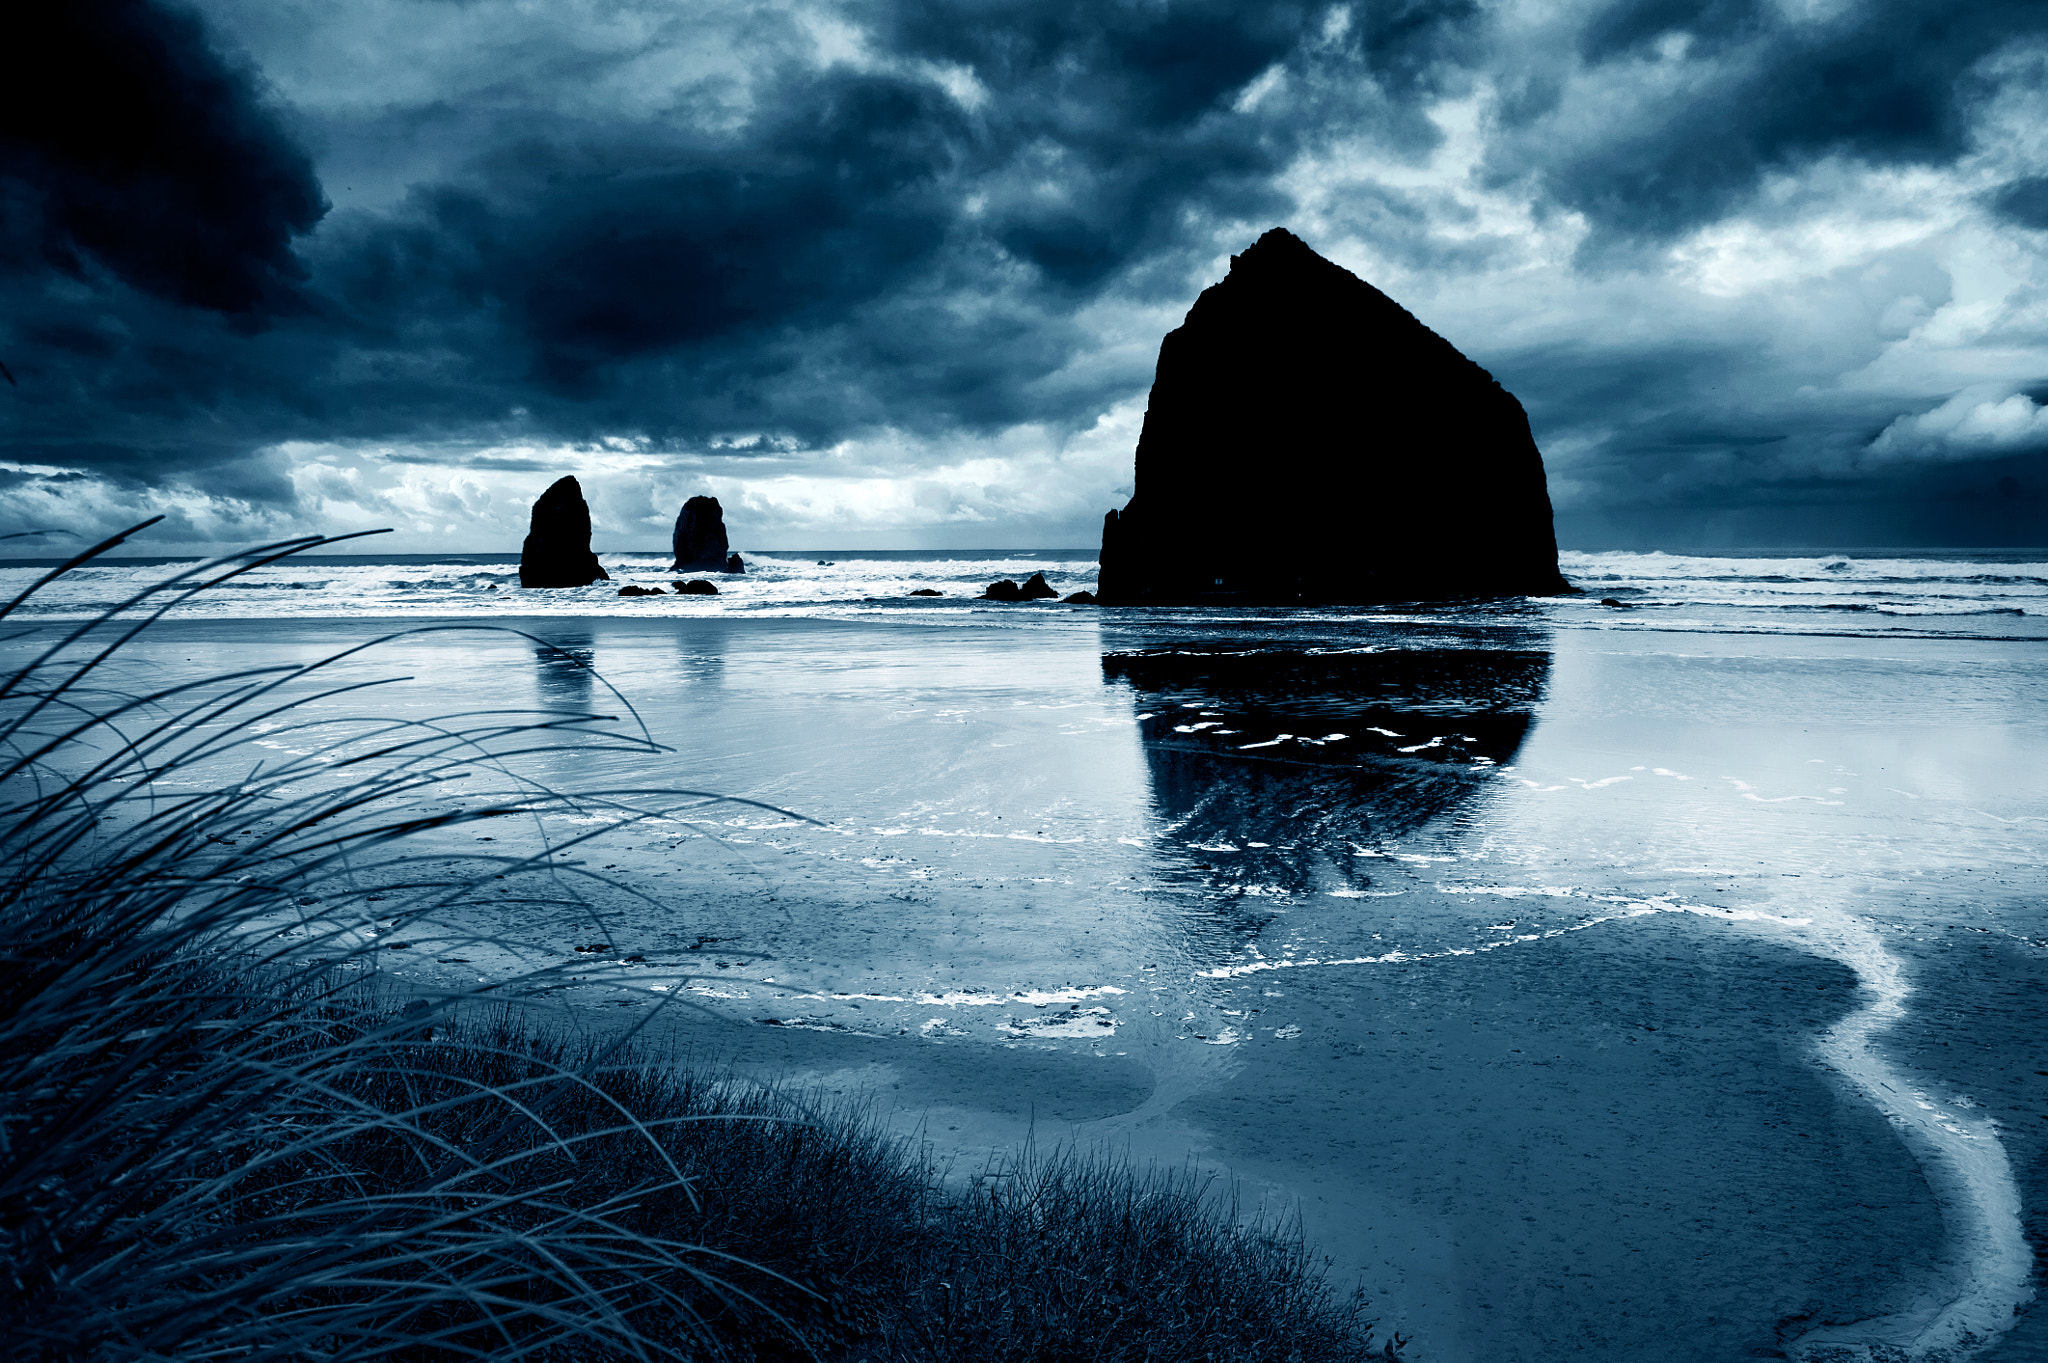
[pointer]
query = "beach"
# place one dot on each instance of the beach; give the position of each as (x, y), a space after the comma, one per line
(1591, 985)
(910, 682)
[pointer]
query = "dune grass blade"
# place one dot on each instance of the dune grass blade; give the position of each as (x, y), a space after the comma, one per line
(216, 1142)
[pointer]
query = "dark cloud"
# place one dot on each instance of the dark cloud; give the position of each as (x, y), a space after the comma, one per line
(596, 255)
(495, 463)
(870, 249)
(1136, 100)
(1999, 502)
(1750, 90)
(128, 141)
(1626, 28)
(1684, 445)
(2024, 201)
(920, 228)
(1118, 107)
(876, 243)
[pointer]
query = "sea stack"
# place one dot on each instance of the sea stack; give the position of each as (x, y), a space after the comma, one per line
(1308, 441)
(557, 549)
(699, 539)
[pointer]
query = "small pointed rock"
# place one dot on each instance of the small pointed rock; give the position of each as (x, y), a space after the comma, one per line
(557, 549)
(699, 540)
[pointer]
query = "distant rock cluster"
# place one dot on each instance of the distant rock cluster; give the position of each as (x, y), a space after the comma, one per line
(1308, 441)
(699, 587)
(557, 548)
(1035, 588)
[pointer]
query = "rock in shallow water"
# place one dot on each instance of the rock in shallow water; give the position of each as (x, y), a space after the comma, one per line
(698, 587)
(1035, 588)
(699, 539)
(557, 549)
(1308, 440)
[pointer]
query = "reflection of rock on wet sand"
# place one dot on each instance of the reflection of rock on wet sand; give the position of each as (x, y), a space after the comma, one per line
(1277, 761)
(563, 668)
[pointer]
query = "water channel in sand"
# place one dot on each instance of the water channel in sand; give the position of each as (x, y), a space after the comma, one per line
(1612, 996)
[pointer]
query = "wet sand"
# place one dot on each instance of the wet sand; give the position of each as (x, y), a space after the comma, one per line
(1592, 996)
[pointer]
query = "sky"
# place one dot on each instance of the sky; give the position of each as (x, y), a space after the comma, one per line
(894, 273)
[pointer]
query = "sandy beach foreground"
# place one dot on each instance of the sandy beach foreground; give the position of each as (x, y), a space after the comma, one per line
(1611, 996)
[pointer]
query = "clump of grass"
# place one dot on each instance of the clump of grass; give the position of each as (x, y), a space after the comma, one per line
(838, 1242)
(213, 1141)
(1068, 1256)
(221, 1137)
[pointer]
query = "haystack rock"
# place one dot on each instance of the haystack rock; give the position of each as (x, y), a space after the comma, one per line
(699, 540)
(1308, 440)
(557, 549)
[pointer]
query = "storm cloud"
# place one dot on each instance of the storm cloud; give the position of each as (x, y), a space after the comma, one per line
(129, 145)
(1652, 117)
(900, 267)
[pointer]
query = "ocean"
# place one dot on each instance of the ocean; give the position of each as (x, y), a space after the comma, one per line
(1649, 981)
(1980, 593)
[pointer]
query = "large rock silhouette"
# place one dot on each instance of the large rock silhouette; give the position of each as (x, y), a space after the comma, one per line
(557, 549)
(699, 540)
(1309, 441)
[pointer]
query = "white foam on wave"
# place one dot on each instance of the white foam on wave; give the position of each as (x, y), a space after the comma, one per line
(1886, 596)
(1629, 908)
(1516, 891)
(973, 998)
(1075, 1021)
(1069, 995)
(370, 587)
(1836, 593)
(1748, 792)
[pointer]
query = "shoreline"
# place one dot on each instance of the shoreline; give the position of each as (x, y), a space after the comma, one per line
(925, 745)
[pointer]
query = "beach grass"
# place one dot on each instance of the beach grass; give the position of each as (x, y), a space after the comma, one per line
(225, 1133)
